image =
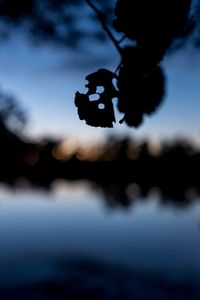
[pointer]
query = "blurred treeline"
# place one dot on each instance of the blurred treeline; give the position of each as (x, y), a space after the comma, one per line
(116, 165)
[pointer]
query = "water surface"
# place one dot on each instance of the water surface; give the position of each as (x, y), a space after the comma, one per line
(70, 235)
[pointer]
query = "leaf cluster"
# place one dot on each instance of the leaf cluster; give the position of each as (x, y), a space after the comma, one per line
(150, 29)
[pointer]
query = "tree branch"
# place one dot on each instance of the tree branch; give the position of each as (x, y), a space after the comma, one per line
(101, 18)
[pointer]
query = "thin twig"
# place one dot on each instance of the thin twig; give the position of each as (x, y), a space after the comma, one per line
(122, 39)
(101, 18)
(118, 67)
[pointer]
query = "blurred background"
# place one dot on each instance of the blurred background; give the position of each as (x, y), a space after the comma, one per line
(84, 211)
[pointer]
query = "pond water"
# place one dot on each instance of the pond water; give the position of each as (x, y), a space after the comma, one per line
(69, 243)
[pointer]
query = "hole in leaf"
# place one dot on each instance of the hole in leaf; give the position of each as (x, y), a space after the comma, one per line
(100, 89)
(94, 97)
(101, 106)
(83, 89)
(114, 82)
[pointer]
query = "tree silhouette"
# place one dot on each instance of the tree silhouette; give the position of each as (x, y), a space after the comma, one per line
(52, 22)
(149, 30)
(12, 116)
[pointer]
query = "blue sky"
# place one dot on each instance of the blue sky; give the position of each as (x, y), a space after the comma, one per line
(45, 81)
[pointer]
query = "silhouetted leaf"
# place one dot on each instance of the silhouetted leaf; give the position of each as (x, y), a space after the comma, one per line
(99, 111)
(141, 86)
(152, 23)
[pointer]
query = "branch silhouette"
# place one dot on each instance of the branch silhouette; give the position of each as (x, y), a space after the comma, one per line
(102, 18)
(150, 30)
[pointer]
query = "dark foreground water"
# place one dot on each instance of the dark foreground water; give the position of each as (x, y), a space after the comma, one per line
(68, 244)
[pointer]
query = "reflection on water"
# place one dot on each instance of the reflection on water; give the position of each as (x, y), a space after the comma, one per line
(68, 245)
